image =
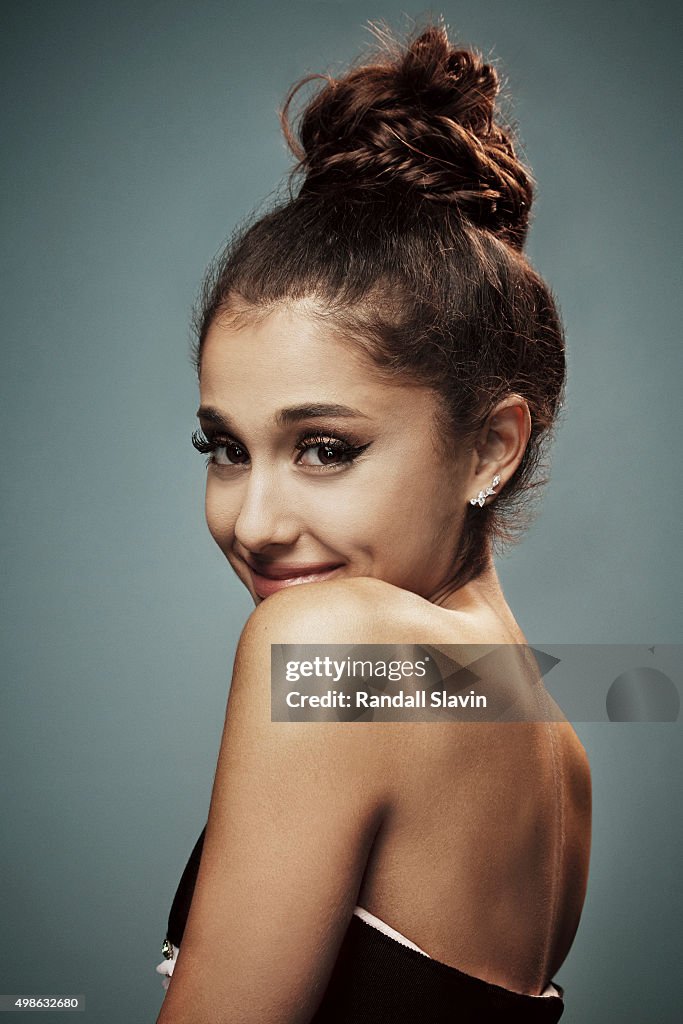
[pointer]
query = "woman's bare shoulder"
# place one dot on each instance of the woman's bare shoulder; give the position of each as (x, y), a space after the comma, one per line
(358, 609)
(321, 613)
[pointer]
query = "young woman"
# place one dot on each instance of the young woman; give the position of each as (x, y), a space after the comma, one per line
(380, 370)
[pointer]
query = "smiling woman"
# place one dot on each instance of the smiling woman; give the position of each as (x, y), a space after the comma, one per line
(334, 486)
(380, 370)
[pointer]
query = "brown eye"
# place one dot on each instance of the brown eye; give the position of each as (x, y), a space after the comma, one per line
(328, 451)
(230, 454)
(325, 454)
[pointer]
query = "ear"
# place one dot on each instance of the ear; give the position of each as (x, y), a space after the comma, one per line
(501, 444)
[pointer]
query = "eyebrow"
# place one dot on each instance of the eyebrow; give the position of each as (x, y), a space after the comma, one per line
(284, 417)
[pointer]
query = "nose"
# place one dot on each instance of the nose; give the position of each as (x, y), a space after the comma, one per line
(266, 514)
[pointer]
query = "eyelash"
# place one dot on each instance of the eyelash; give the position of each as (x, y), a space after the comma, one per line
(338, 443)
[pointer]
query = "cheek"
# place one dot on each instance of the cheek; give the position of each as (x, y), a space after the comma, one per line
(411, 498)
(392, 513)
(416, 512)
(336, 517)
(220, 516)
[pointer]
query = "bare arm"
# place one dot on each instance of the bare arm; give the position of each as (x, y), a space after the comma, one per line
(294, 811)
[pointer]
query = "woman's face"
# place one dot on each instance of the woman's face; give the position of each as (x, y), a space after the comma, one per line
(294, 490)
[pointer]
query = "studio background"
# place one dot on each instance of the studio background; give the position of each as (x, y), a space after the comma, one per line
(135, 137)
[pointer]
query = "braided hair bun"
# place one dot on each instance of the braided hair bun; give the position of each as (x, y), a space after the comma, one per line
(406, 236)
(420, 117)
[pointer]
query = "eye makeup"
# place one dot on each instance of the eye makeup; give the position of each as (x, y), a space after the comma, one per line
(333, 445)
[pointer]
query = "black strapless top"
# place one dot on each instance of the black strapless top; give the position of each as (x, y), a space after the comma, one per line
(378, 980)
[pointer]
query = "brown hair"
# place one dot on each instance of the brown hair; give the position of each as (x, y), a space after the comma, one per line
(406, 234)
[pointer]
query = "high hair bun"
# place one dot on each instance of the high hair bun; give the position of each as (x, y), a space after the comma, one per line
(418, 116)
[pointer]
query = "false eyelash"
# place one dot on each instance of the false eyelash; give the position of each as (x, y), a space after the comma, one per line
(337, 442)
(343, 445)
(206, 444)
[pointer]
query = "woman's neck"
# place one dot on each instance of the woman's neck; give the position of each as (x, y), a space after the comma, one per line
(484, 589)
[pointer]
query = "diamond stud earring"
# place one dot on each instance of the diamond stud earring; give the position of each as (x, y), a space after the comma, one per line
(483, 495)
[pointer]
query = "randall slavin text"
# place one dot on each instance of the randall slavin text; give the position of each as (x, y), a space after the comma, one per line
(401, 699)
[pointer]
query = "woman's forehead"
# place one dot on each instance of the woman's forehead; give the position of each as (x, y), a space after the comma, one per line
(289, 359)
(280, 340)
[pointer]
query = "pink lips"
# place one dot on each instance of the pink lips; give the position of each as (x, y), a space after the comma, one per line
(270, 578)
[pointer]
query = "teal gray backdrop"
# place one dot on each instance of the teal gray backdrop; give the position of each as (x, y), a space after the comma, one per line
(135, 136)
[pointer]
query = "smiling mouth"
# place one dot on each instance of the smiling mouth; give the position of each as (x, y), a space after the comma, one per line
(267, 580)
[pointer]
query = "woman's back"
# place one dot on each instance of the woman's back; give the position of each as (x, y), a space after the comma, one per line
(473, 850)
(483, 859)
